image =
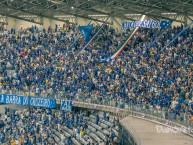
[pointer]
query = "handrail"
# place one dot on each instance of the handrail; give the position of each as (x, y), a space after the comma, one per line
(133, 113)
(122, 110)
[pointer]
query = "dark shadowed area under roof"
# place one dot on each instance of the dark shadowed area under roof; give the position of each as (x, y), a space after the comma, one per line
(175, 10)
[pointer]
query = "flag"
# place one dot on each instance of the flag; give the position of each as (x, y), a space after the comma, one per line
(86, 31)
(126, 41)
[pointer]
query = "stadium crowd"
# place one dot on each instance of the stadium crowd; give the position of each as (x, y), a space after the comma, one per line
(147, 77)
(51, 127)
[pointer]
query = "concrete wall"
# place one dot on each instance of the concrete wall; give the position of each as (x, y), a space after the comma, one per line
(11, 23)
(117, 23)
(54, 22)
(17, 24)
(176, 24)
(83, 22)
(189, 21)
(46, 23)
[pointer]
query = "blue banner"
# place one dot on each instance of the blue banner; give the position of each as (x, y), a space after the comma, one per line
(86, 31)
(28, 101)
(151, 24)
(66, 105)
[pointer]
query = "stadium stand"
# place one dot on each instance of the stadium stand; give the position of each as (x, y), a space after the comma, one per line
(154, 80)
(159, 79)
(37, 126)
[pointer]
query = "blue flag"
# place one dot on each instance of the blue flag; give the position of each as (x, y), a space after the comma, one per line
(86, 31)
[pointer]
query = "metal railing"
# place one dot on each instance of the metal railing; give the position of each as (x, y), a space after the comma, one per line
(142, 111)
(127, 136)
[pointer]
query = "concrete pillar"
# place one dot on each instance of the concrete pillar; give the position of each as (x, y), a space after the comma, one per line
(11, 23)
(185, 21)
(117, 23)
(46, 23)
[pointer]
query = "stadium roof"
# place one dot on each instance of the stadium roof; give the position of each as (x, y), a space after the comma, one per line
(176, 10)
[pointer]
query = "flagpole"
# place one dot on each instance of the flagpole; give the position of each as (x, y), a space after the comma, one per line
(178, 35)
(93, 37)
(127, 40)
(159, 35)
(69, 47)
